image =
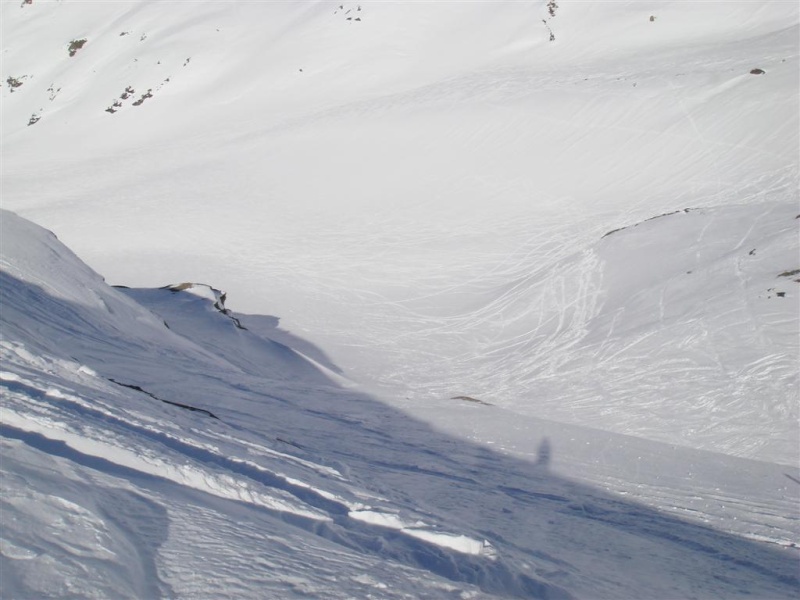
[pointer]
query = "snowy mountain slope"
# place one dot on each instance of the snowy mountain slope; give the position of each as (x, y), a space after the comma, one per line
(425, 199)
(700, 303)
(422, 194)
(301, 487)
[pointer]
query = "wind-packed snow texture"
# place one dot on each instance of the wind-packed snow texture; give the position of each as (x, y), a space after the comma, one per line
(511, 300)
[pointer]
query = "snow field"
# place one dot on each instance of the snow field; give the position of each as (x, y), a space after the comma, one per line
(433, 218)
(300, 487)
(442, 375)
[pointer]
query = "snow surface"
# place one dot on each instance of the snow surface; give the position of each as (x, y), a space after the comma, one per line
(505, 317)
(298, 486)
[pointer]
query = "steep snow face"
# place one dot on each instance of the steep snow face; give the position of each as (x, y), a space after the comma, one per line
(423, 192)
(107, 425)
(156, 446)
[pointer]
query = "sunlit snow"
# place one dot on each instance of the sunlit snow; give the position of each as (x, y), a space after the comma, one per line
(410, 299)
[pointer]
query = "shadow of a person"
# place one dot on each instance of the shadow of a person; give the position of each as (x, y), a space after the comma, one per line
(543, 454)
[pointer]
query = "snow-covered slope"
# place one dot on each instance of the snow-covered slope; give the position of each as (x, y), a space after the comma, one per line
(161, 448)
(422, 190)
(522, 272)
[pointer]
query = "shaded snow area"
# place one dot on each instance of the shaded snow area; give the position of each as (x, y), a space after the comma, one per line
(410, 300)
(154, 445)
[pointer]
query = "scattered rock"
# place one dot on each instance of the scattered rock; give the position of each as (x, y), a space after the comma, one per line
(53, 91)
(608, 233)
(757, 71)
(34, 119)
(76, 45)
(145, 96)
(346, 12)
(470, 399)
(14, 82)
(652, 18)
(669, 214)
(552, 35)
(114, 107)
(170, 402)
